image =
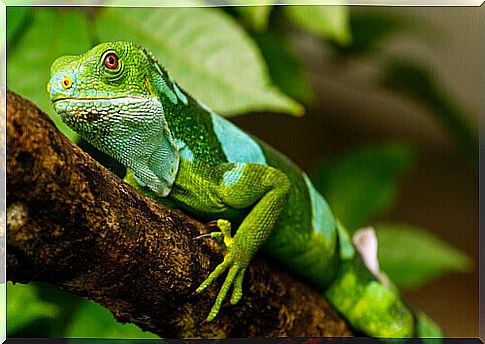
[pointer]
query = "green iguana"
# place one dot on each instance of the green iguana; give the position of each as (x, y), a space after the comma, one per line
(184, 155)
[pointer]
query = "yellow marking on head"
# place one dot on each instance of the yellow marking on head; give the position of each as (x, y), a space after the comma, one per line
(49, 87)
(149, 87)
(66, 82)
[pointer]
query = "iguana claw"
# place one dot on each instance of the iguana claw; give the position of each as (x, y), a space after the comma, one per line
(203, 236)
(236, 268)
(212, 224)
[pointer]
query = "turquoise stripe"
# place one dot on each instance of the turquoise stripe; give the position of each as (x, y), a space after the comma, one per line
(322, 218)
(236, 144)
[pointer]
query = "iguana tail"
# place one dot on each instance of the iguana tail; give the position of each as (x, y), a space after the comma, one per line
(367, 298)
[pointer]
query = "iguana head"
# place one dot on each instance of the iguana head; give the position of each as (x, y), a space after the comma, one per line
(108, 95)
(94, 86)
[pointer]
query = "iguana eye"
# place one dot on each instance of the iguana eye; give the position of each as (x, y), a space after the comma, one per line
(111, 61)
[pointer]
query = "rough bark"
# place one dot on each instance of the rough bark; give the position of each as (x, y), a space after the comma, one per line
(73, 223)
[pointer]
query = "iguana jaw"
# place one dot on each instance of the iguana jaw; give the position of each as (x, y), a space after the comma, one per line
(75, 109)
(87, 99)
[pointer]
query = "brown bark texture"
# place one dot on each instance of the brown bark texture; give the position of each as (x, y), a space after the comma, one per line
(72, 223)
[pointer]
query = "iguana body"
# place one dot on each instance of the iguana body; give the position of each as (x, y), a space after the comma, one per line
(184, 155)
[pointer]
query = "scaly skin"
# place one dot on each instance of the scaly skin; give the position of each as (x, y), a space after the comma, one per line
(184, 155)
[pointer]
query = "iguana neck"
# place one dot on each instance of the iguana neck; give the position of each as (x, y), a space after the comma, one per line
(189, 121)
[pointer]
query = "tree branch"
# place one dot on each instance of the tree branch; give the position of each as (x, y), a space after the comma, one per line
(73, 223)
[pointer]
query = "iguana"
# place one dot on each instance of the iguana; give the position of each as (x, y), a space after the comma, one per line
(183, 154)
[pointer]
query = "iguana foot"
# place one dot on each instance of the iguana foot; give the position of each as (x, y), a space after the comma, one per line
(224, 236)
(234, 260)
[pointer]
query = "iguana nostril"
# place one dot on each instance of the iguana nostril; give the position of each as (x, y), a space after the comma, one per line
(66, 82)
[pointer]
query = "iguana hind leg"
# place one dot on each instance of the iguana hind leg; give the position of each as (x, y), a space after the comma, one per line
(262, 188)
(244, 185)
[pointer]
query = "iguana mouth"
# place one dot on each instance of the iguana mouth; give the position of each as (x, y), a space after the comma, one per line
(86, 99)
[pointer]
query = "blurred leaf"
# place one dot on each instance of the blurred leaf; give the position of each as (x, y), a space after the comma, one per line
(329, 22)
(30, 60)
(426, 329)
(92, 320)
(369, 29)
(67, 304)
(256, 16)
(363, 183)
(24, 306)
(207, 53)
(418, 83)
(412, 256)
(285, 67)
(17, 19)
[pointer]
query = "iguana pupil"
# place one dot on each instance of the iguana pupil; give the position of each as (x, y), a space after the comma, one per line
(111, 61)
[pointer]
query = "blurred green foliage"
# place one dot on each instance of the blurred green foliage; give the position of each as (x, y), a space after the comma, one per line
(417, 82)
(363, 183)
(257, 17)
(236, 60)
(39, 310)
(329, 22)
(26, 307)
(369, 31)
(205, 51)
(92, 320)
(406, 76)
(32, 47)
(16, 21)
(411, 256)
(284, 66)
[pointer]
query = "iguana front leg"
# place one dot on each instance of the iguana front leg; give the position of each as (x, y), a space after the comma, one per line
(262, 188)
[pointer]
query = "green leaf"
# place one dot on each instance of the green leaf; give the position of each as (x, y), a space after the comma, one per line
(17, 20)
(363, 183)
(329, 22)
(370, 29)
(256, 16)
(427, 328)
(30, 60)
(92, 320)
(66, 303)
(206, 52)
(412, 256)
(24, 306)
(284, 65)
